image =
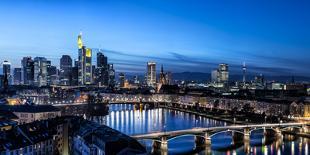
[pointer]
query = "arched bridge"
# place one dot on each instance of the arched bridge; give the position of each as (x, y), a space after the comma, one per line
(203, 135)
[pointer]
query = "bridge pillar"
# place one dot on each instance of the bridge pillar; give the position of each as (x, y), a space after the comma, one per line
(264, 131)
(278, 132)
(246, 134)
(162, 144)
(207, 139)
(199, 141)
(304, 129)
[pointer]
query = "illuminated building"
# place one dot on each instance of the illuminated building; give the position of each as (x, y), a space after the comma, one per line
(151, 74)
(40, 71)
(7, 71)
(162, 76)
(65, 69)
(244, 73)
(17, 76)
(27, 70)
(85, 63)
(102, 70)
(121, 80)
(220, 75)
(111, 76)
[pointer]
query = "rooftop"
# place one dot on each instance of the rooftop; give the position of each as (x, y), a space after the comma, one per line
(29, 108)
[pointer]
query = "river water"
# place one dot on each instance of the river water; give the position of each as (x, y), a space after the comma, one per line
(131, 121)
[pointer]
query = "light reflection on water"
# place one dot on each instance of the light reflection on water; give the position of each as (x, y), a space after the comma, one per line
(125, 118)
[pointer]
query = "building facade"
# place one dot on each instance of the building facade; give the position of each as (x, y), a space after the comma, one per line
(85, 64)
(151, 74)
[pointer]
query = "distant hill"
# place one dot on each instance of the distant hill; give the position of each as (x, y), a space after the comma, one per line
(202, 77)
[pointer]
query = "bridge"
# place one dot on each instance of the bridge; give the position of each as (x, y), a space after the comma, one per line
(203, 136)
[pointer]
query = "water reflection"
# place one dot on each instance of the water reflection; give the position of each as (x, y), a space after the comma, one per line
(127, 119)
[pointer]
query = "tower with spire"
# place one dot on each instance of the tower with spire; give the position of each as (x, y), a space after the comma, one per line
(244, 74)
(162, 76)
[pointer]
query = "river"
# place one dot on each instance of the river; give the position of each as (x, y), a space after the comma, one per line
(131, 121)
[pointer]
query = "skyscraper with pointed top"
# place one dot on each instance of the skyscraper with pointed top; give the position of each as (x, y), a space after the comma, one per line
(84, 64)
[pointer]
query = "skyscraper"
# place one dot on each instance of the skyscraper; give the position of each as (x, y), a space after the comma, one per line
(27, 71)
(121, 80)
(111, 76)
(65, 69)
(151, 74)
(17, 76)
(7, 71)
(221, 74)
(102, 70)
(52, 74)
(40, 71)
(85, 63)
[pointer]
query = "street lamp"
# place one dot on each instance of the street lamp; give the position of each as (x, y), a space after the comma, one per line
(265, 119)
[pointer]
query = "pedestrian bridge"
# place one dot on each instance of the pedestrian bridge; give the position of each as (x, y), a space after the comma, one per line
(203, 136)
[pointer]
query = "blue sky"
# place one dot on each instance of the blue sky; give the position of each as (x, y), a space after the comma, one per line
(271, 36)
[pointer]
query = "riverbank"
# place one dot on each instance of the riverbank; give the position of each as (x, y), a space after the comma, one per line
(231, 121)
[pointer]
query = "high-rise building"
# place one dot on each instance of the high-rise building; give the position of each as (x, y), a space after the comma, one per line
(40, 71)
(7, 71)
(27, 70)
(151, 74)
(111, 76)
(85, 63)
(121, 80)
(17, 76)
(52, 74)
(102, 70)
(65, 70)
(221, 74)
(214, 75)
(74, 74)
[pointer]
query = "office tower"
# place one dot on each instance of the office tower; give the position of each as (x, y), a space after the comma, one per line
(151, 74)
(162, 76)
(244, 72)
(27, 70)
(7, 71)
(17, 76)
(259, 80)
(121, 80)
(52, 75)
(214, 75)
(85, 63)
(65, 70)
(102, 70)
(111, 76)
(74, 73)
(102, 61)
(220, 75)
(223, 73)
(40, 71)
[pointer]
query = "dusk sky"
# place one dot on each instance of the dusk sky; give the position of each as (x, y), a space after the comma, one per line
(271, 36)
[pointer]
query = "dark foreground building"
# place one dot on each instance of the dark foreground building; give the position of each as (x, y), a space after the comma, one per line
(66, 135)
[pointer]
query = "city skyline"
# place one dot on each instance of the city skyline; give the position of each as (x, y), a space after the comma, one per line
(133, 33)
